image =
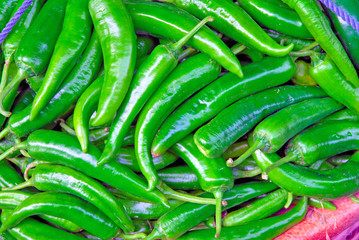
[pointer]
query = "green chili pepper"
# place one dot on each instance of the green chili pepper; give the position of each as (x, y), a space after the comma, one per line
(25, 99)
(77, 81)
(187, 78)
(321, 141)
(127, 157)
(227, 89)
(213, 174)
(319, 26)
(10, 97)
(273, 132)
(6, 9)
(168, 21)
(12, 41)
(299, 44)
(144, 210)
(302, 75)
(147, 79)
(265, 229)
(183, 177)
(318, 203)
(346, 33)
(233, 21)
(8, 175)
(36, 46)
(239, 118)
(302, 181)
(64, 149)
(11, 199)
(32, 229)
(339, 160)
(259, 209)
(58, 178)
(345, 114)
(35, 82)
(70, 44)
(144, 45)
(84, 108)
(188, 215)
(66, 206)
(333, 82)
(115, 28)
(236, 150)
(277, 18)
(253, 54)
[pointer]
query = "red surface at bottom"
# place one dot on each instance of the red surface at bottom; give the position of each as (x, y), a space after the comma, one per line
(323, 224)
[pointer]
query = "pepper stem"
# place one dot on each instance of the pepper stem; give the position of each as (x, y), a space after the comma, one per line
(5, 73)
(155, 234)
(28, 183)
(289, 158)
(170, 193)
(186, 53)
(178, 45)
(21, 75)
(256, 145)
(219, 196)
(67, 128)
(354, 199)
(132, 236)
(238, 48)
(4, 132)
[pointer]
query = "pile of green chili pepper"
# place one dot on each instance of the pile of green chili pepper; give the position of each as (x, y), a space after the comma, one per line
(175, 119)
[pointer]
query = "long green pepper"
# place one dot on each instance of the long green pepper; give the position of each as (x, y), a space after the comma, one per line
(118, 42)
(70, 44)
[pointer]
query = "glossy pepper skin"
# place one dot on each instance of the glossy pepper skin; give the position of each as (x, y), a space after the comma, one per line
(114, 25)
(265, 229)
(213, 174)
(11, 199)
(323, 140)
(345, 114)
(32, 229)
(333, 82)
(233, 21)
(162, 60)
(127, 157)
(319, 26)
(66, 206)
(171, 22)
(302, 181)
(214, 138)
(273, 132)
(346, 33)
(12, 41)
(259, 209)
(57, 178)
(147, 211)
(279, 19)
(70, 44)
(77, 81)
(8, 175)
(84, 108)
(188, 215)
(6, 9)
(64, 149)
(187, 78)
(180, 177)
(284, 39)
(227, 89)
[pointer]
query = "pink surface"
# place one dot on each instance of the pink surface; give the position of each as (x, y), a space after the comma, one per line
(323, 224)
